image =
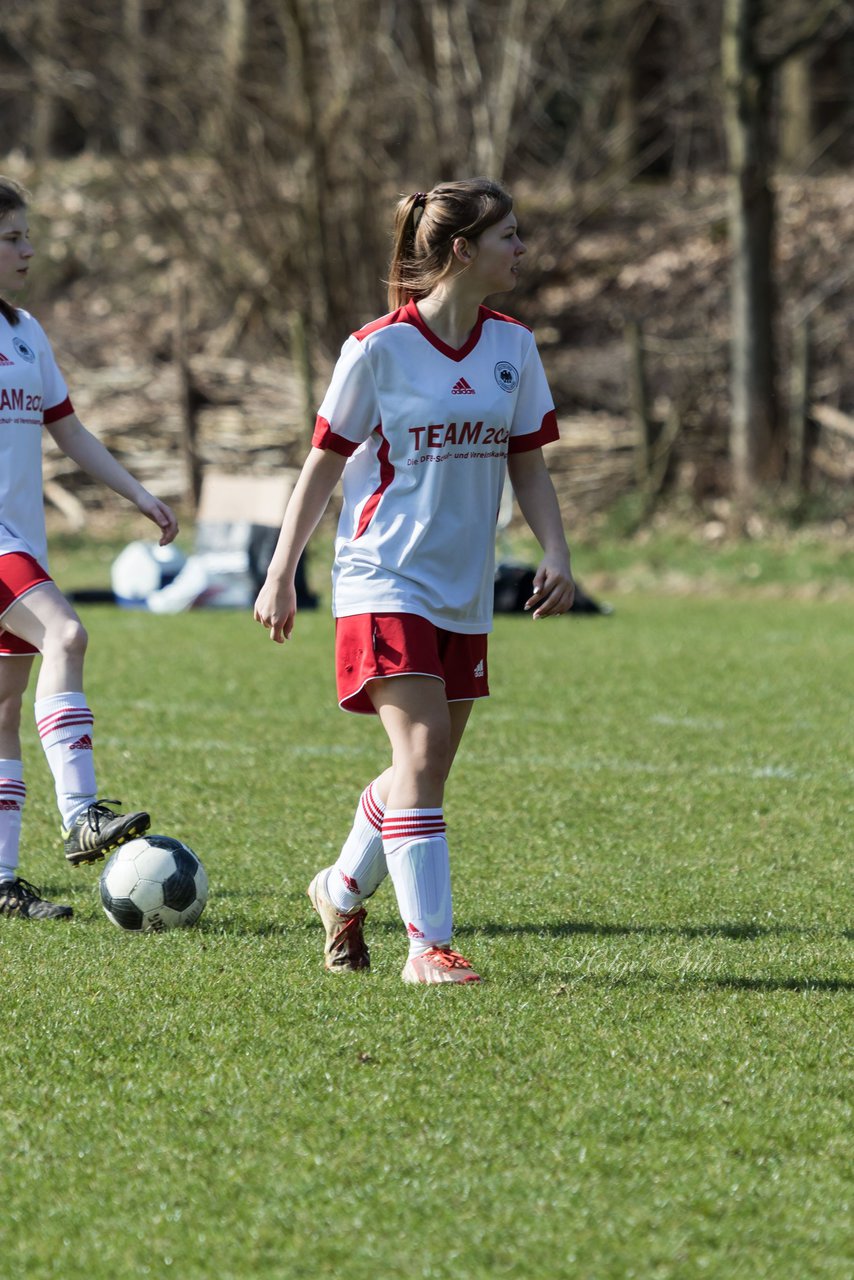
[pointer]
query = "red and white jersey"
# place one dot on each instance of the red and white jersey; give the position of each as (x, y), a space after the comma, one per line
(32, 392)
(426, 430)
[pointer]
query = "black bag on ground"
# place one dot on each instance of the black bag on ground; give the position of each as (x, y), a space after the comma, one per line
(514, 584)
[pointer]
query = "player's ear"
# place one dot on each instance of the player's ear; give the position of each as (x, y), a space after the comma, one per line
(463, 250)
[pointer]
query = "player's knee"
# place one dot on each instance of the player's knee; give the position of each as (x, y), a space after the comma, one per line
(431, 756)
(69, 638)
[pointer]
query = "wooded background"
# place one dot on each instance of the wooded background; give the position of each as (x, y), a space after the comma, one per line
(214, 180)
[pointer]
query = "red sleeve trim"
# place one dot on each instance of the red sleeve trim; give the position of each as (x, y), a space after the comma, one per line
(58, 411)
(325, 438)
(393, 317)
(499, 315)
(547, 434)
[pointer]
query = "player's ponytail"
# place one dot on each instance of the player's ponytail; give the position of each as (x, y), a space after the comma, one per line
(12, 198)
(426, 224)
(407, 216)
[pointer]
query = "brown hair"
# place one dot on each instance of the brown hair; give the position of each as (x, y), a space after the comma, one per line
(12, 198)
(426, 225)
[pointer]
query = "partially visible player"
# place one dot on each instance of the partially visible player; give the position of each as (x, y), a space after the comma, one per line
(34, 615)
(427, 410)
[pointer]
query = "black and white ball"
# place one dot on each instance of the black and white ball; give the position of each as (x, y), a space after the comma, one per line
(152, 884)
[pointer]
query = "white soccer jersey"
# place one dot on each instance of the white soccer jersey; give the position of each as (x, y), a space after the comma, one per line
(426, 430)
(32, 392)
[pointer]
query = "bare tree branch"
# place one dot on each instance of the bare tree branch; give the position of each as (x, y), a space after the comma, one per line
(808, 33)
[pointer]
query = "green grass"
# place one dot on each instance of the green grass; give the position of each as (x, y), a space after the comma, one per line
(650, 832)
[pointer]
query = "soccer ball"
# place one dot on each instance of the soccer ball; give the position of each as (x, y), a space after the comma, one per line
(153, 883)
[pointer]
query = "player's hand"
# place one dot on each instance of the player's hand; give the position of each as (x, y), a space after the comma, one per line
(275, 609)
(554, 589)
(164, 517)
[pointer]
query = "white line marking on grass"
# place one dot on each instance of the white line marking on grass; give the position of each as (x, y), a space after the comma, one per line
(202, 748)
(786, 773)
(578, 764)
(687, 722)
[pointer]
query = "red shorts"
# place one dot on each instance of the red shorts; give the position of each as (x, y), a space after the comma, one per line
(374, 646)
(19, 573)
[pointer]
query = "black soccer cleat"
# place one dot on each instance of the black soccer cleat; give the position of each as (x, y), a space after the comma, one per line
(20, 898)
(99, 830)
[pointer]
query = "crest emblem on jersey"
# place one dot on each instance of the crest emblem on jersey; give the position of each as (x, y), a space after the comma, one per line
(507, 376)
(25, 352)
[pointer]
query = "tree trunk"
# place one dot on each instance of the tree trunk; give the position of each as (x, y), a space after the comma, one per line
(186, 397)
(46, 43)
(801, 427)
(638, 396)
(756, 448)
(795, 110)
(452, 133)
(131, 104)
(235, 27)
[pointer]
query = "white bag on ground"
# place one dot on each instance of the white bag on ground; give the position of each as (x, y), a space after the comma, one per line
(142, 568)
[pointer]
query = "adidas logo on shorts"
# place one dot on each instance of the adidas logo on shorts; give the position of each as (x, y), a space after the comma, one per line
(478, 671)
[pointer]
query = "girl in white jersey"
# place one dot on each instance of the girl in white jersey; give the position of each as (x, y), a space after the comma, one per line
(428, 408)
(34, 616)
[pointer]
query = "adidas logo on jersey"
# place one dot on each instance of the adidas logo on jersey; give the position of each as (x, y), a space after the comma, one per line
(5, 359)
(462, 388)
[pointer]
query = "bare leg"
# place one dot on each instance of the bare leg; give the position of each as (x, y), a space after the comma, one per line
(14, 677)
(458, 713)
(45, 619)
(14, 674)
(425, 731)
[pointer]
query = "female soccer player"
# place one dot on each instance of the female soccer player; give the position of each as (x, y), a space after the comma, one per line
(34, 616)
(427, 410)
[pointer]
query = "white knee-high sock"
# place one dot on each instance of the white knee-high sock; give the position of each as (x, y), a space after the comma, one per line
(65, 727)
(360, 868)
(13, 793)
(416, 851)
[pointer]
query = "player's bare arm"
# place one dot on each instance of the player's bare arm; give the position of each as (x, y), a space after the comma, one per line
(554, 588)
(78, 443)
(275, 606)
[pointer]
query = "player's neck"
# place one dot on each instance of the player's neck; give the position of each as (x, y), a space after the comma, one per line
(450, 314)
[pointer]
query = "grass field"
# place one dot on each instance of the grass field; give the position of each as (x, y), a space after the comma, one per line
(650, 829)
